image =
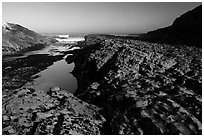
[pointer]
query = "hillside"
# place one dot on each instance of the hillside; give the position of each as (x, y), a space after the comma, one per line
(186, 29)
(16, 38)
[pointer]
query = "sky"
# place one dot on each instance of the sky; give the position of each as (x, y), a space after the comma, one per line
(73, 18)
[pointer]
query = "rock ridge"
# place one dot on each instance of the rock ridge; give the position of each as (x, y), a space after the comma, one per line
(142, 88)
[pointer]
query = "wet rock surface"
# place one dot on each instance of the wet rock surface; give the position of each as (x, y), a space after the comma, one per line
(143, 88)
(35, 112)
(26, 110)
(18, 71)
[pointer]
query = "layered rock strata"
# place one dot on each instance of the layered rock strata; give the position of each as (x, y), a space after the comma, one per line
(143, 88)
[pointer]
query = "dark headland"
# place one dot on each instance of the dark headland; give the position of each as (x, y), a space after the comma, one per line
(185, 30)
(151, 84)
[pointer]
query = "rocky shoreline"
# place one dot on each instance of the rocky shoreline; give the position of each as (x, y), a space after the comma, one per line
(26, 110)
(125, 86)
(18, 71)
(142, 88)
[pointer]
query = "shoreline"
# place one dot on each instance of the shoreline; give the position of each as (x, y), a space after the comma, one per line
(27, 110)
(126, 80)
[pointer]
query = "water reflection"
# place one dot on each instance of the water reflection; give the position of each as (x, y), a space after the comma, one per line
(57, 75)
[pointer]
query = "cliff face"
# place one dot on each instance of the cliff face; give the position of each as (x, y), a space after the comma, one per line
(16, 38)
(186, 29)
(143, 88)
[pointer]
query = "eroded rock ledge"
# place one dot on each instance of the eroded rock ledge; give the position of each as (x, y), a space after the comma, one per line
(143, 88)
(57, 112)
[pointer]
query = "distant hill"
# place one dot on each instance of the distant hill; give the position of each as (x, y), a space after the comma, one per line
(16, 38)
(186, 29)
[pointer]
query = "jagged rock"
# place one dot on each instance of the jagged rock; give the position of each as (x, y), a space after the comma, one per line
(143, 88)
(31, 111)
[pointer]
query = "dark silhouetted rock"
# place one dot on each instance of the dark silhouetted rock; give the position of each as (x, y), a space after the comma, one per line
(69, 59)
(186, 29)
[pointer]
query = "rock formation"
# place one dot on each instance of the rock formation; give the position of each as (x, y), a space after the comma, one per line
(26, 110)
(142, 88)
(125, 86)
(16, 38)
(34, 112)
